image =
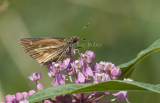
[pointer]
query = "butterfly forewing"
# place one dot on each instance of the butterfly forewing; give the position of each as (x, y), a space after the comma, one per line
(45, 50)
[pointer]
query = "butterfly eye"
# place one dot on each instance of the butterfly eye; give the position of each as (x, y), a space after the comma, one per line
(75, 40)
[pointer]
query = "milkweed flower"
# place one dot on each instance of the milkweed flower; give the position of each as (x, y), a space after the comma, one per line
(81, 70)
(35, 76)
(56, 72)
(99, 77)
(115, 72)
(88, 57)
(121, 95)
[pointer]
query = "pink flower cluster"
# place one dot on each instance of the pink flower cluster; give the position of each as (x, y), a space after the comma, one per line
(81, 70)
(18, 96)
(77, 71)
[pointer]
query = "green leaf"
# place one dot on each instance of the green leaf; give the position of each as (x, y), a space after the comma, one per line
(128, 68)
(92, 87)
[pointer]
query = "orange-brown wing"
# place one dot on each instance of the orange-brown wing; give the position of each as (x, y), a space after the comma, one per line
(45, 50)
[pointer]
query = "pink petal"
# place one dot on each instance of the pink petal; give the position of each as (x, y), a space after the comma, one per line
(89, 71)
(81, 77)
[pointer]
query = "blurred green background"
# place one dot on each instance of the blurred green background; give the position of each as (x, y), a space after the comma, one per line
(122, 27)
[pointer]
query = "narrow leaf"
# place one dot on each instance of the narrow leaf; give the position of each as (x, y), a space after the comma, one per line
(128, 67)
(92, 87)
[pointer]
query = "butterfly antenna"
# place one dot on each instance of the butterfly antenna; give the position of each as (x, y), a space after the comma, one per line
(83, 28)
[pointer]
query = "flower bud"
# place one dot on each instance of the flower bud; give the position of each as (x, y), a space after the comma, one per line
(31, 92)
(9, 98)
(115, 72)
(25, 94)
(39, 86)
(19, 96)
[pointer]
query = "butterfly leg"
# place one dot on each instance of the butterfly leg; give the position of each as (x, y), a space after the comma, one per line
(61, 57)
(77, 51)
